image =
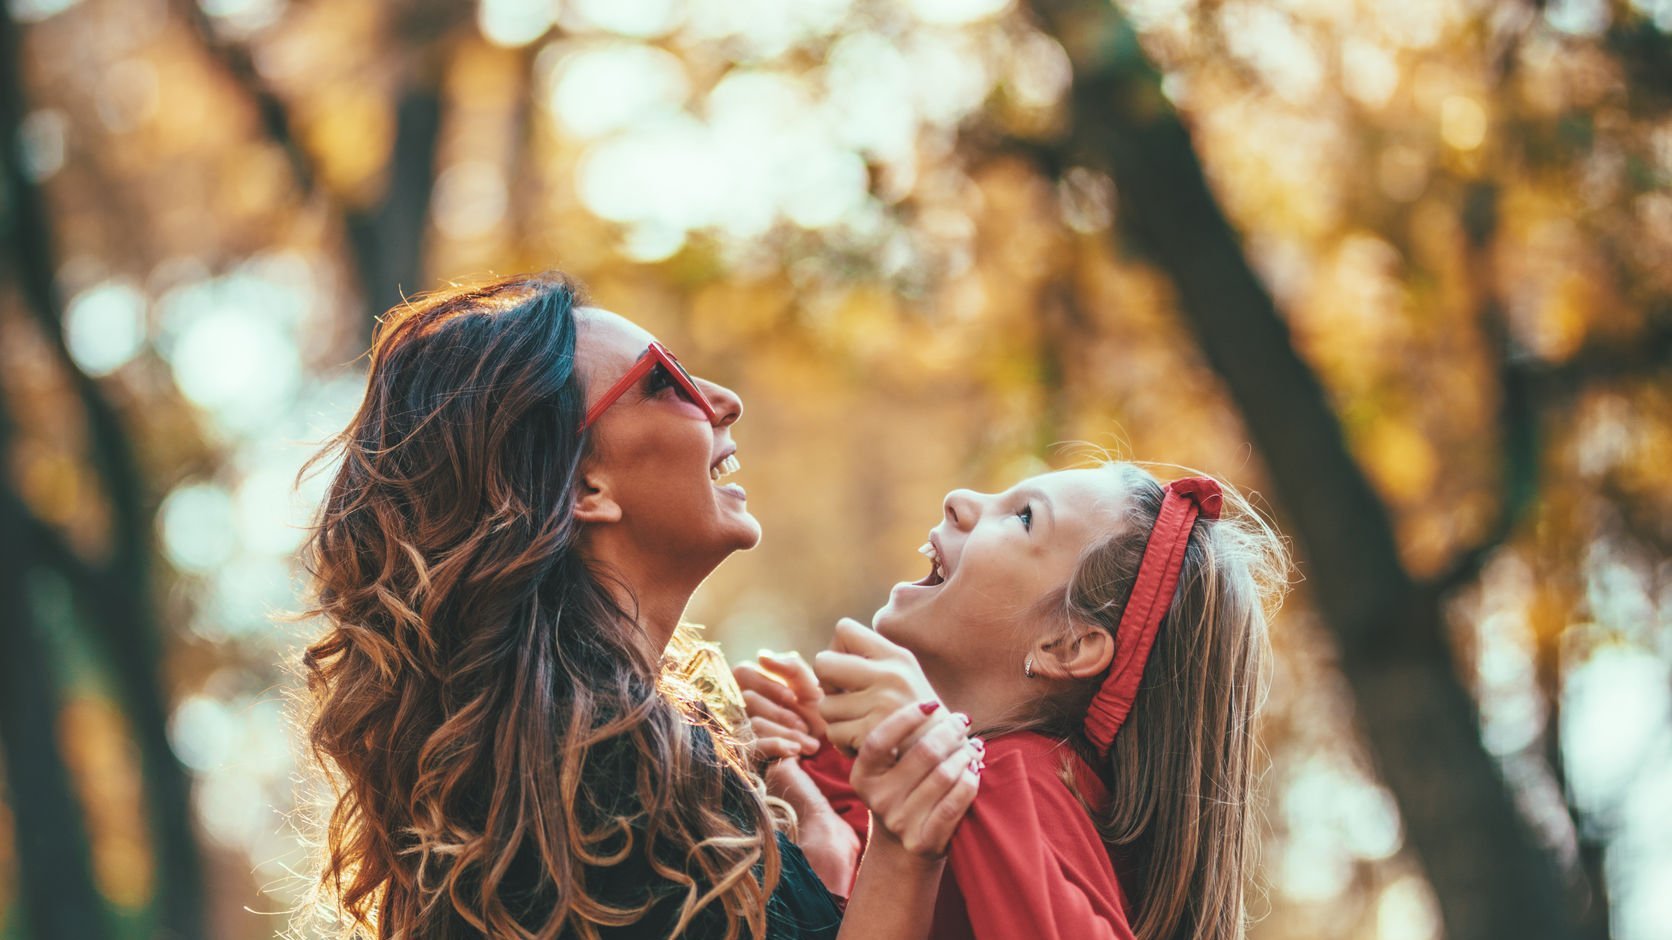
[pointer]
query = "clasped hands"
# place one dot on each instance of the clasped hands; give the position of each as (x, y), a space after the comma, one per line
(915, 765)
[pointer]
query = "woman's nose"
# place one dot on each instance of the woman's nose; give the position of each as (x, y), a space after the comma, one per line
(962, 508)
(727, 406)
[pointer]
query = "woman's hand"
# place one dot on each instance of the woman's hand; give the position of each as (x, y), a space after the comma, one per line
(918, 792)
(831, 846)
(866, 678)
(781, 696)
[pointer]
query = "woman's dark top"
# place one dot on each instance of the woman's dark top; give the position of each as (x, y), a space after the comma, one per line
(799, 908)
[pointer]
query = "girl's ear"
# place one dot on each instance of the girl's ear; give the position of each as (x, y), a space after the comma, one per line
(1083, 653)
(593, 503)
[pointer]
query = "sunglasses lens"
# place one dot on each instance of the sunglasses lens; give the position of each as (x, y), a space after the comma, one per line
(695, 393)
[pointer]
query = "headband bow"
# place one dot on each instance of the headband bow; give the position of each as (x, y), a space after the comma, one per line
(1182, 502)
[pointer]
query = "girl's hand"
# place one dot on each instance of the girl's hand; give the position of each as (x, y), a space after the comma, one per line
(918, 793)
(866, 678)
(781, 697)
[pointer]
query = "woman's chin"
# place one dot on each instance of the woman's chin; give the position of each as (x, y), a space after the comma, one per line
(743, 531)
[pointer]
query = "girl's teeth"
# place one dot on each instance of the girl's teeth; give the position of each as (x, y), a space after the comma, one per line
(928, 551)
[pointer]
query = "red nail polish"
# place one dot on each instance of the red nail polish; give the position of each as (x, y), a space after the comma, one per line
(962, 717)
(928, 708)
(979, 745)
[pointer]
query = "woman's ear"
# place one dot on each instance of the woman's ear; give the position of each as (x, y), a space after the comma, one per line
(593, 503)
(1084, 652)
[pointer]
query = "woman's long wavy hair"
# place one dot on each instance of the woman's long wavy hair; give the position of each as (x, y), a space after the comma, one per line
(1182, 767)
(494, 727)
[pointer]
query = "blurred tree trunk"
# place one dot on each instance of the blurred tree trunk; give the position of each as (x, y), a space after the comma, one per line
(1522, 400)
(1491, 877)
(1590, 848)
(54, 867)
(117, 590)
(388, 237)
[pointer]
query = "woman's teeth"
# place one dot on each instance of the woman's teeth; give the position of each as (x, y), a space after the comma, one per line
(724, 467)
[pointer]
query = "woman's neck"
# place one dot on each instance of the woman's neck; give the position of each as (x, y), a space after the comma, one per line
(653, 590)
(660, 613)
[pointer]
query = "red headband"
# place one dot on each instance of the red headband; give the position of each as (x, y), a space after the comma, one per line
(1152, 593)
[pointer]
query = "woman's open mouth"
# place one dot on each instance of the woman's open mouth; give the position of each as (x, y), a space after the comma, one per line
(722, 468)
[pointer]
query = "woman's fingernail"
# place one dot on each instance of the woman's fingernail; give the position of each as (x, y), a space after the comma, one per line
(977, 766)
(928, 708)
(961, 717)
(979, 745)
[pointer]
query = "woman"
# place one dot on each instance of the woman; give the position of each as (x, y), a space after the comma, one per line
(1106, 634)
(526, 500)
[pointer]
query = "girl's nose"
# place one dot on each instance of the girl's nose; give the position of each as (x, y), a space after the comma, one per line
(962, 508)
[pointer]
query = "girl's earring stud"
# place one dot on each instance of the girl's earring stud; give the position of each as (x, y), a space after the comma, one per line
(1027, 667)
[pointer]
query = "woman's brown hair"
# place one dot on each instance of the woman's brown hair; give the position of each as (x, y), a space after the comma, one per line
(497, 732)
(1182, 767)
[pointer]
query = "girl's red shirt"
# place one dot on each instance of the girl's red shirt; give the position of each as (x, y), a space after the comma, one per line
(1027, 861)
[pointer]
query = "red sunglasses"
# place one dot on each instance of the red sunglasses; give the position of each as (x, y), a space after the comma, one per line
(655, 356)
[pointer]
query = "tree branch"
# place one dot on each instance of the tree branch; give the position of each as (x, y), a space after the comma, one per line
(235, 60)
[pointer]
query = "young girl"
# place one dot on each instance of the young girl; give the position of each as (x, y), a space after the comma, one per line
(1106, 634)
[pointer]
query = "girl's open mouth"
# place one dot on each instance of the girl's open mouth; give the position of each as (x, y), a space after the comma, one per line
(937, 574)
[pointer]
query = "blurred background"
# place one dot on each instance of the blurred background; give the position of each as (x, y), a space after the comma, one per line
(1402, 269)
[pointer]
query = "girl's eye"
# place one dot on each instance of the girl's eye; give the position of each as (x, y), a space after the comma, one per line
(1026, 515)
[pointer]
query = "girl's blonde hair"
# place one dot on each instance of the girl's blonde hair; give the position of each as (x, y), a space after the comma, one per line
(1182, 766)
